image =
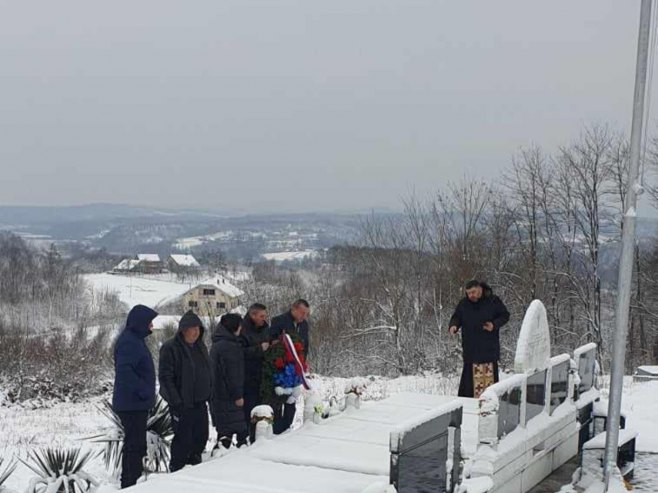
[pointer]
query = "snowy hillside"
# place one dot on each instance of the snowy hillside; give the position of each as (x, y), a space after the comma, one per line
(134, 290)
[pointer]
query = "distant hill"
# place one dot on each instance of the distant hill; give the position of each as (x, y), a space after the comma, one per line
(124, 229)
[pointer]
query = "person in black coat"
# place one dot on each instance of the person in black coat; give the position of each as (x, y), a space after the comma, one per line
(184, 374)
(294, 321)
(134, 389)
(255, 337)
(227, 363)
(480, 315)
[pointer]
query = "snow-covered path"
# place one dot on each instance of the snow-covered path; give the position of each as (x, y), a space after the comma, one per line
(64, 425)
(344, 454)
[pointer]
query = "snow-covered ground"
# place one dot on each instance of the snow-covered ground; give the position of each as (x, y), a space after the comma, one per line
(152, 290)
(63, 425)
(134, 290)
(293, 255)
(186, 244)
(640, 404)
(66, 425)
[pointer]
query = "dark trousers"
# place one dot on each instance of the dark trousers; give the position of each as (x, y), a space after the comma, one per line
(284, 415)
(134, 445)
(251, 400)
(190, 437)
(241, 439)
(466, 383)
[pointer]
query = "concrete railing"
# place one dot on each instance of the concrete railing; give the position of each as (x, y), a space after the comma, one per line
(585, 393)
(528, 424)
(425, 452)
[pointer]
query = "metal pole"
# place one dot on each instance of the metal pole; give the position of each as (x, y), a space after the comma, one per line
(627, 248)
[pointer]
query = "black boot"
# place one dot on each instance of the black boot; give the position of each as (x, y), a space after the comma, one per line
(194, 459)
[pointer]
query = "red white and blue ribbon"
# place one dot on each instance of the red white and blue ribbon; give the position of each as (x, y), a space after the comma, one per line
(299, 367)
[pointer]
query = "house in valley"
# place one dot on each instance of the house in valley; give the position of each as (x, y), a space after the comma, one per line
(183, 264)
(145, 263)
(209, 297)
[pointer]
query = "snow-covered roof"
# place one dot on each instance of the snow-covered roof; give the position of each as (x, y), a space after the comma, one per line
(222, 285)
(185, 260)
(648, 369)
(148, 257)
(127, 264)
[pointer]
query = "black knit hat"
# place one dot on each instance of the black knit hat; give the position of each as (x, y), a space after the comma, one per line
(190, 319)
(231, 322)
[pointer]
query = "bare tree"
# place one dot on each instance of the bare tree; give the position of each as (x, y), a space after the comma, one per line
(586, 164)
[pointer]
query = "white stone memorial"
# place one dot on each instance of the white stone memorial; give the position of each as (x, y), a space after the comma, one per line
(517, 457)
(533, 349)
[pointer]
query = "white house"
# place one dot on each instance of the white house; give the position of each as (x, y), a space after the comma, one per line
(178, 262)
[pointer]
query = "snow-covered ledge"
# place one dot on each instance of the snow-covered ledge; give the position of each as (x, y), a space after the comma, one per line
(437, 428)
(490, 427)
(586, 372)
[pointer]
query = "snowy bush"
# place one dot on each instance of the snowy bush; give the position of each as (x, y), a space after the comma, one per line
(60, 366)
(158, 433)
(46, 351)
(59, 471)
(6, 472)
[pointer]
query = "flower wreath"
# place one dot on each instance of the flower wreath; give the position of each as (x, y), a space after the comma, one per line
(283, 370)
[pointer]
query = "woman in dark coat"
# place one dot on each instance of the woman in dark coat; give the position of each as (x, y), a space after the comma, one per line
(227, 363)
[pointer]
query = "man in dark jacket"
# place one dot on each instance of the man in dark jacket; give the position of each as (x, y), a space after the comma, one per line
(134, 389)
(184, 374)
(254, 335)
(227, 363)
(294, 321)
(479, 315)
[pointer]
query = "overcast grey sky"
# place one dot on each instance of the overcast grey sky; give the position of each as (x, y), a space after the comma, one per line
(295, 105)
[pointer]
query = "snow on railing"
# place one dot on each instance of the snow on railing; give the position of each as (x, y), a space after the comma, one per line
(515, 401)
(560, 382)
(585, 392)
(497, 413)
(436, 433)
(586, 365)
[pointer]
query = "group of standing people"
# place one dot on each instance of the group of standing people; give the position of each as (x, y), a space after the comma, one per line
(227, 378)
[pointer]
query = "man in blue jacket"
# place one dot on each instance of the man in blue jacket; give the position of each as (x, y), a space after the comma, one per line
(134, 389)
(294, 321)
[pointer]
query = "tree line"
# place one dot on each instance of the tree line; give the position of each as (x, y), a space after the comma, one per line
(548, 227)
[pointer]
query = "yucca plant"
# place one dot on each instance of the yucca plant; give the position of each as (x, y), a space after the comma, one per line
(6, 472)
(159, 430)
(59, 471)
(158, 433)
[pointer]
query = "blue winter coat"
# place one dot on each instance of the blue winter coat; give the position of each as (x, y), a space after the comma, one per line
(134, 372)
